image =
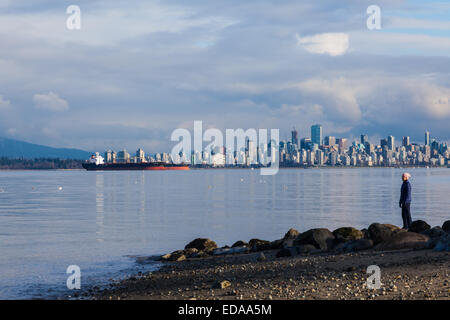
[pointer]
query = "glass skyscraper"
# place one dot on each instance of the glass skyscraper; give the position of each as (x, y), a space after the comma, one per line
(427, 138)
(316, 134)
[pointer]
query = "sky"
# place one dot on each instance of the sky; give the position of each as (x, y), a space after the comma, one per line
(137, 70)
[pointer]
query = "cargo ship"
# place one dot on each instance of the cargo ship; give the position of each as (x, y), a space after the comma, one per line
(96, 163)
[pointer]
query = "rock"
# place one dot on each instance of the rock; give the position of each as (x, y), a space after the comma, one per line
(348, 233)
(419, 226)
(189, 252)
(357, 245)
(339, 247)
(305, 248)
(240, 243)
(166, 257)
(443, 244)
(381, 232)
(199, 254)
(432, 242)
(177, 256)
(291, 234)
(202, 244)
(434, 232)
(259, 245)
(366, 234)
(338, 240)
(287, 241)
(221, 284)
(319, 238)
(285, 252)
(180, 258)
(224, 250)
(404, 240)
(446, 226)
(277, 244)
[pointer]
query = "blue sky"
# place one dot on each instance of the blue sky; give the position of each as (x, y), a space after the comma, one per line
(137, 70)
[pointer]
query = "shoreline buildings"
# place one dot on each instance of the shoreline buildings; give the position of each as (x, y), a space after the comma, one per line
(316, 150)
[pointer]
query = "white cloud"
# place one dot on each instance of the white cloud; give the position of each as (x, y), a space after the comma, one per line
(435, 100)
(4, 103)
(334, 44)
(339, 97)
(50, 101)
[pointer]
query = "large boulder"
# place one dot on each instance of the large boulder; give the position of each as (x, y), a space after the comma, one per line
(382, 232)
(287, 241)
(202, 244)
(319, 238)
(277, 244)
(366, 234)
(291, 234)
(305, 249)
(233, 250)
(190, 252)
(443, 244)
(178, 255)
(259, 245)
(434, 232)
(419, 226)
(446, 226)
(357, 245)
(404, 240)
(240, 243)
(348, 233)
(286, 252)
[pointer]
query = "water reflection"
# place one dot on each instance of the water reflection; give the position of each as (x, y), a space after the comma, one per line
(99, 206)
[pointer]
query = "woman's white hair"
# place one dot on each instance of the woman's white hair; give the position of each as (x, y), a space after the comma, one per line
(407, 175)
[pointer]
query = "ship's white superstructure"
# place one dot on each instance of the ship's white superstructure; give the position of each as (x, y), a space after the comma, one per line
(97, 159)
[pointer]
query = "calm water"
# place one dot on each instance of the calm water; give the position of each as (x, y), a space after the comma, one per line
(101, 220)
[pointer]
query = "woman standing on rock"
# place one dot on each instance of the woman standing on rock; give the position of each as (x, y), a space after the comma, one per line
(405, 200)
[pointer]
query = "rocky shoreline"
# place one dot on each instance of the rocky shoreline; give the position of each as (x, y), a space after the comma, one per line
(315, 264)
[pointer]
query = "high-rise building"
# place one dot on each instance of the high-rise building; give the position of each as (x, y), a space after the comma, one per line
(391, 142)
(108, 156)
(305, 143)
(330, 140)
(316, 134)
(123, 156)
(342, 143)
(427, 138)
(405, 141)
(140, 155)
(364, 139)
(294, 137)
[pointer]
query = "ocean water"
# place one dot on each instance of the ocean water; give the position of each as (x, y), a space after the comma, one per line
(102, 221)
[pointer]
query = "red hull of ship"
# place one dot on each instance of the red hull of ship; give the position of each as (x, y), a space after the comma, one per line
(133, 167)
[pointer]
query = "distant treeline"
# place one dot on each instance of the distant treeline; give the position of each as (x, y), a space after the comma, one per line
(39, 163)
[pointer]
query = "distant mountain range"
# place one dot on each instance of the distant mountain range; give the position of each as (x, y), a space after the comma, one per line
(19, 149)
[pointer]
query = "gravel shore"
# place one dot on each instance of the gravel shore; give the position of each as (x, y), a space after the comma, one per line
(405, 274)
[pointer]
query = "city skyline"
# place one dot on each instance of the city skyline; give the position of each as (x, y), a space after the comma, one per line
(296, 133)
(332, 151)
